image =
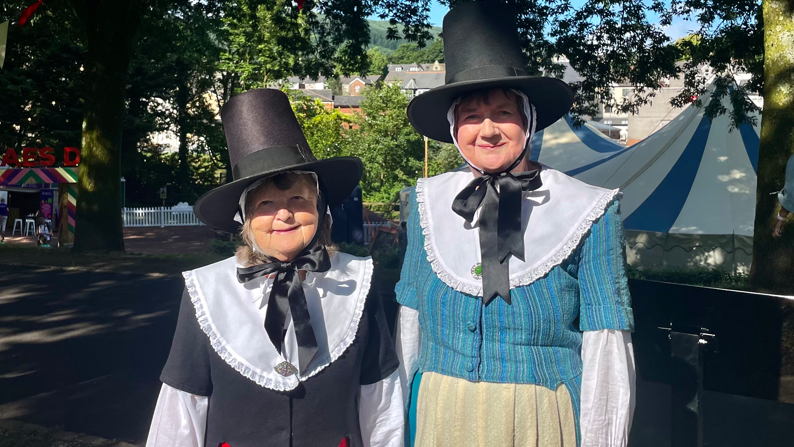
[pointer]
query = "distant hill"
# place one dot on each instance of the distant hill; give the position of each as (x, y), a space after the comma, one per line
(377, 36)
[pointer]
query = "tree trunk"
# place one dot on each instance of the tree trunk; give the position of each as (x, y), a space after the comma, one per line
(773, 258)
(110, 27)
(182, 96)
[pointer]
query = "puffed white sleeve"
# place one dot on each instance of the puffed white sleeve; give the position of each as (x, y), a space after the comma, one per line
(608, 390)
(179, 420)
(380, 413)
(409, 344)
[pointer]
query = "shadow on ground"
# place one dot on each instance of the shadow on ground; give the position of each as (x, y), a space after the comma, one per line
(83, 350)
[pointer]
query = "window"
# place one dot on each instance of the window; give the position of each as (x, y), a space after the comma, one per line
(607, 109)
(358, 88)
(413, 69)
(626, 92)
(398, 69)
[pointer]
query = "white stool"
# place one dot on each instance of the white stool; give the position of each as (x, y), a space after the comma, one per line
(30, 227)
(17, 221)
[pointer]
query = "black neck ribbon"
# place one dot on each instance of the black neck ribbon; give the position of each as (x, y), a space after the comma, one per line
(287, 298)
(500, 195)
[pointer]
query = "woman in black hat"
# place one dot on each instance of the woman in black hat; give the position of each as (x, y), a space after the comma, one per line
(516, 318)
(285, 344)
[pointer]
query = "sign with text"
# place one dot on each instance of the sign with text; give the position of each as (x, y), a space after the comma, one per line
(47, 198)
(32, 157)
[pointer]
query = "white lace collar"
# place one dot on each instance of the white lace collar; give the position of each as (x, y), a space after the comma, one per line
(232, 315)
(557, 216)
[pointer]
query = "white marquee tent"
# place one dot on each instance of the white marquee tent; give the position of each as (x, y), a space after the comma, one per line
(688, 190)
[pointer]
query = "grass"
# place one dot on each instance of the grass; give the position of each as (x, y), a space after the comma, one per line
(104, 262)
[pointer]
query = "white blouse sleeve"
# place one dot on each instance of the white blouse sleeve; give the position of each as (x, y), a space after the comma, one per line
(380, 413)
(408, 345)
(179, 420)
(607, 388)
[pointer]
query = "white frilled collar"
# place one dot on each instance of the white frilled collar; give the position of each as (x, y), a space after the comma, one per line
(554, 218)
(233, 314)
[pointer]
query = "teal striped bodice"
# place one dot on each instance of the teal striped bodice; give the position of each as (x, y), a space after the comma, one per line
(538, 338)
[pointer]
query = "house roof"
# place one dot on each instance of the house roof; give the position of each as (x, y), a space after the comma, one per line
(421, 67)
(371, 79)
(323, 95)
(420, 80)
(348, 101)
(297, 80)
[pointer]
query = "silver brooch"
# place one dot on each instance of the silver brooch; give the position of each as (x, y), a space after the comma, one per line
(286, 369)
(476, 270)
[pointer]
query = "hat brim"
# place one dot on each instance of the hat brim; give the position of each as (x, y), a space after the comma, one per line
(338, 177)
(551, 97)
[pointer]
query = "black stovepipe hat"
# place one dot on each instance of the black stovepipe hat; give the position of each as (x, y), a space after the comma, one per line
(482, 51)
(265, 139)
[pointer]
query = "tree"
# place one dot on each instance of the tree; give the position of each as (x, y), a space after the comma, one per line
(433, 52)
(41, 81)
(772, 259)
(378, 62)
(391, 150)
(324, 129)
(108, 29)
(407, 53)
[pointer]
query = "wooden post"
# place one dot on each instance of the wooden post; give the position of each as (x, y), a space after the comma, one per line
(425, 157)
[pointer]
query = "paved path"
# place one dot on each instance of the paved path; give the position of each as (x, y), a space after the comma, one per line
(149, 240)
(83, 350)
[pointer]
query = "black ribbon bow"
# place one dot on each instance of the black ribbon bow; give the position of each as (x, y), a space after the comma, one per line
(287, 298)
(500, 223)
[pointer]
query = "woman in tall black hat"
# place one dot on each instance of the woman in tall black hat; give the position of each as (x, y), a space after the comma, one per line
(285, 344)
(516, 318)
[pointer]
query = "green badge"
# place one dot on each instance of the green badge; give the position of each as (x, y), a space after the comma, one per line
(476, 270)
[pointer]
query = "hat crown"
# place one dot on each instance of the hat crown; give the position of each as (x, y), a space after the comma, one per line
(261, 120)
(481, 41)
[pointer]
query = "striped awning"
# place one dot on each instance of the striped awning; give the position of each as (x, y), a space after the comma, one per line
(37, 176)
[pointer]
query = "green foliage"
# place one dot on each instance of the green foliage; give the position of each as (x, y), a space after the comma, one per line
(379, 35)
(354, 249)
(335, 85)
(378, 62)
(157, 169)
(392, 151)
(223, 248)
(442, 157)
(409, 53)
(324, 129)
(41, 82)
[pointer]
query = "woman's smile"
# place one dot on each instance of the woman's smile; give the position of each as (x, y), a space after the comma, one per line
(286, 230)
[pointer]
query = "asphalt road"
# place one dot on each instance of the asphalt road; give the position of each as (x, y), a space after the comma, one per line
(83, 350)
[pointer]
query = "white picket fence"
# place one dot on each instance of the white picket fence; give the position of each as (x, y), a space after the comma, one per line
(176, 216)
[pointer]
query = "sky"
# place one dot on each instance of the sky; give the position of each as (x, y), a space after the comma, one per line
(679, 28)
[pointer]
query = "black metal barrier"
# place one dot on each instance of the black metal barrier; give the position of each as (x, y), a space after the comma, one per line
(715, 367)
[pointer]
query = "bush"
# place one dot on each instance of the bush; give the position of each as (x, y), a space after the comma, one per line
(354, 249)
(225, 248)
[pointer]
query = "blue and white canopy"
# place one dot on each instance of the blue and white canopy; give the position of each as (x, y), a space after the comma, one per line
(688, 189)
(577, 152)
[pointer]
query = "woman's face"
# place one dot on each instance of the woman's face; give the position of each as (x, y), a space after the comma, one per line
(283, 223)
(490, 130)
